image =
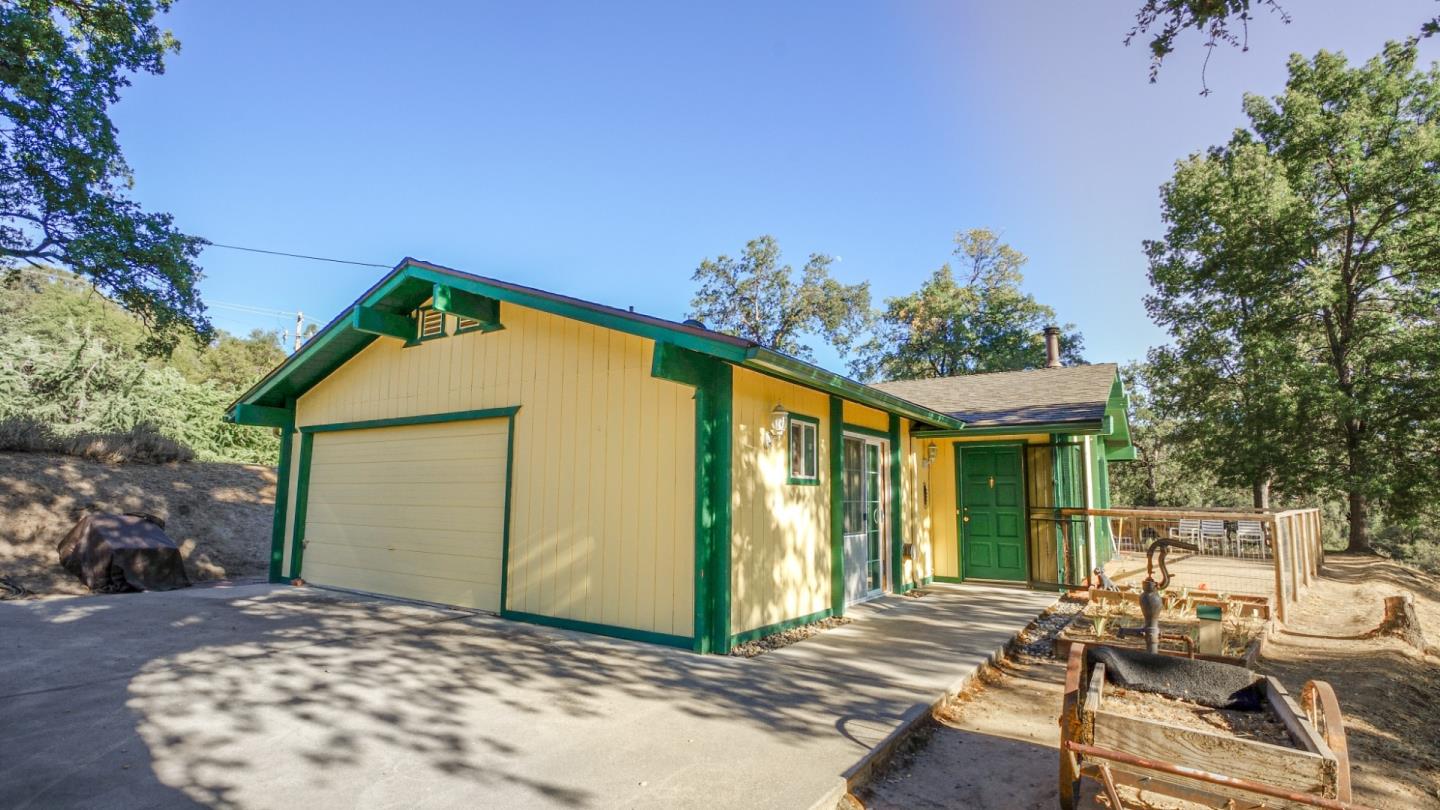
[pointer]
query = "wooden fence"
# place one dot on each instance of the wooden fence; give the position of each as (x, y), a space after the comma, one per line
(1271, 553)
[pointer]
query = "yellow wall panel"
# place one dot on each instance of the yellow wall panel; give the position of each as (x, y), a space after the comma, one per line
(943, 511)
(856, 414)
(603, 489)
(780, 549)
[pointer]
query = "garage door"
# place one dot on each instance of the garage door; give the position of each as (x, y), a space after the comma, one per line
(416, 511)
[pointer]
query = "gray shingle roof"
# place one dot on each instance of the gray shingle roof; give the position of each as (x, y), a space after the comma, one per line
(1069, 394)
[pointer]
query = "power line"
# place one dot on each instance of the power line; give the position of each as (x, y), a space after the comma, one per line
(297, 255)
(249, 309)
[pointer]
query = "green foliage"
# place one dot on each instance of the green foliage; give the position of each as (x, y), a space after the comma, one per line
(72, 360)
(980, 322)
(1298, 278)
(62, 176)
(757, 298)
(1167, 470)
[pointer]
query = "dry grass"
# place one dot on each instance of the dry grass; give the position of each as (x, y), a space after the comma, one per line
(141, 444)
(220, 514)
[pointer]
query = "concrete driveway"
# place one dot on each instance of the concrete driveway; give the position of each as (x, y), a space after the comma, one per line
(271, 696)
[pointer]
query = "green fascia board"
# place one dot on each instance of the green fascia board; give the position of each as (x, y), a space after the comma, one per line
(802, 373)
(1118, 444)
(1087, 427)
(486, 310)
(779, 627)
(1123, 453)
(423, 419)
(614, 631)
(412, 282)
(865, 431)
(262, 416)
(385, 324)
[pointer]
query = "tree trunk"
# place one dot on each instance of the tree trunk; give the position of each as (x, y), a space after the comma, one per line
(1260, 490)
(1359, 515)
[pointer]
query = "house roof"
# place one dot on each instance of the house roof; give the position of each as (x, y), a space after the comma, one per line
(413, 282)
(1016, 398)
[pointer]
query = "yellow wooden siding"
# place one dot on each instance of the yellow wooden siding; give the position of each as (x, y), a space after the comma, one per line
(780, 550)
(415, 511)
(602, 498)
(913, 489)
(862, 416)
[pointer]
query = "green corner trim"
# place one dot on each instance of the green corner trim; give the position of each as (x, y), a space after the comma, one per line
(713, 381)
(927, 580)
(505, 533)
(302, 498)
(778, 627)
(628, 633)
(423, 419)
(897, 511)
(276, 571)
(790, 477)
(837, 506)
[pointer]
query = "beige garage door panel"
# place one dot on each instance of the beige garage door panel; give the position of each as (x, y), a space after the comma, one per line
(416, 511)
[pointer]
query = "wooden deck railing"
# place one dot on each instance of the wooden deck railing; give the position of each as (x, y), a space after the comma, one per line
(1272, 553)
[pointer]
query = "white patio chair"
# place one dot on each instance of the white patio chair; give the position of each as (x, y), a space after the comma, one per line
(1250, 538)
(1188, 531)
(1212, 535)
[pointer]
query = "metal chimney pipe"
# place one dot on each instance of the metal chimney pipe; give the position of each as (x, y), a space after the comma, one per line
(1052, 347)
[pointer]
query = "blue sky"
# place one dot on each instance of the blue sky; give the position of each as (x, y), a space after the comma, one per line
(603, 150)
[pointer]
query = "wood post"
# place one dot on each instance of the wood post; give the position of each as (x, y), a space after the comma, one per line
(1278, 557)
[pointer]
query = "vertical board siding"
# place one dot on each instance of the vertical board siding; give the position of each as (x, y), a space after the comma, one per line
(602, 494)
(780, 532)
(293, 484)
(944, 506)
(914, 475)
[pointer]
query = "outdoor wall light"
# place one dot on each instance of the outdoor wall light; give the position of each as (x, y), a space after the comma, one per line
(932, 452)
(779, 421)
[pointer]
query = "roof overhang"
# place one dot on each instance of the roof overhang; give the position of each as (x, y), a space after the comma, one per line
(413, 282)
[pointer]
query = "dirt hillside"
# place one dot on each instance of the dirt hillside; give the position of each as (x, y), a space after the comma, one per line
(218, 513)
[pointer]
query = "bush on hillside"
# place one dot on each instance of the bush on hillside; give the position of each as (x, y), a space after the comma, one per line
(1415, 542)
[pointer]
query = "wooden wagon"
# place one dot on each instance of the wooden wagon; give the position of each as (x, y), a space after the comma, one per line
(1104, 742)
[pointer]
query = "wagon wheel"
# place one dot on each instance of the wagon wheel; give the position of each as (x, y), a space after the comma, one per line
(1323, 710)
(1070, 729)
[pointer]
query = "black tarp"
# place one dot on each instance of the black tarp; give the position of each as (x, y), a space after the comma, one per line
(118, 553)
(1209, 683)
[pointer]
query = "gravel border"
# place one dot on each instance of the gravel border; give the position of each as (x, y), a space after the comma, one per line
(785, 638)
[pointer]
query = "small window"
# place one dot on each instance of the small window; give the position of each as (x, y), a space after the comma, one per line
(432, 323)
(804, 434)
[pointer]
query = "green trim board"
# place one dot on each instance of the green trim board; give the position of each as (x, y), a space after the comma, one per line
(262, 416)
(614, 631)
(779, 627)
(837, 506)
(713, 383)
(1077, 428)
(302, 502)
(897, 512)
(378, 322)
(276, 572)
(811, 454)
(422, 419)
(505, 533)
(952, 580)
(483, 310)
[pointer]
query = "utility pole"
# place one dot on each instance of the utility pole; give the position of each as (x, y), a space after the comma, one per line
(299, 323)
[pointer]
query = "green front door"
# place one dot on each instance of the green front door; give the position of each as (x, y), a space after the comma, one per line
(992, 513)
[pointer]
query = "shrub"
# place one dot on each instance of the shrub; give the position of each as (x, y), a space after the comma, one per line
(141, 444)
(1416, 542)
(26, 434)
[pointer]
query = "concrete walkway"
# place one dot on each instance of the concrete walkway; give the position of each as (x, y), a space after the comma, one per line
(261, 696)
